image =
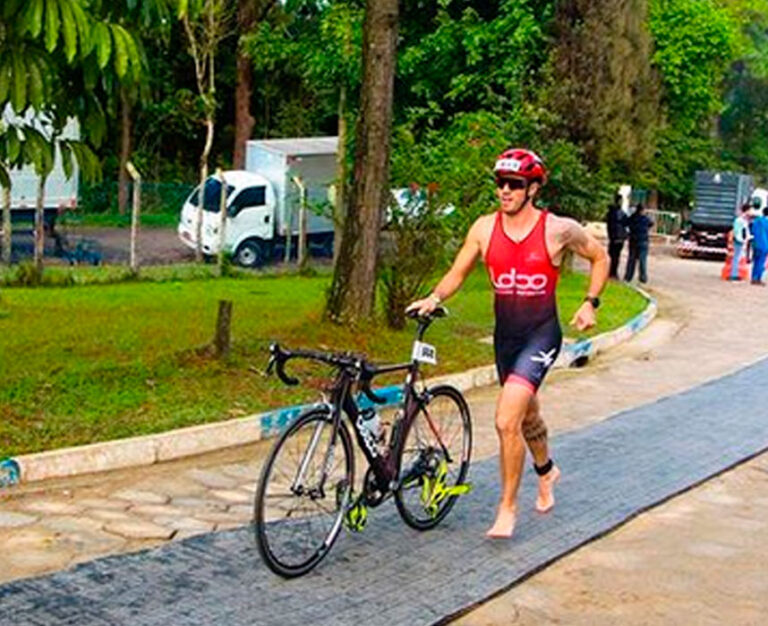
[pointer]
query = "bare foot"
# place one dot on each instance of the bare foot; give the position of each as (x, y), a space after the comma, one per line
(546, 499)
(504, 525)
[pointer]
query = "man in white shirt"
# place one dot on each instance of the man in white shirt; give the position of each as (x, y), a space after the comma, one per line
(740, 237)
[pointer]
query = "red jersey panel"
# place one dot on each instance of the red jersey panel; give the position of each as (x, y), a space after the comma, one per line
(523, 277)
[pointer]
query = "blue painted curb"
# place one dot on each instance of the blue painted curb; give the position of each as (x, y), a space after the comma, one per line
(274, 422)
(10, 473)
(576, 353)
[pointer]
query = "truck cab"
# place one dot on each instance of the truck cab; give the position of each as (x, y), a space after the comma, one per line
(249, 227)
(284, 189)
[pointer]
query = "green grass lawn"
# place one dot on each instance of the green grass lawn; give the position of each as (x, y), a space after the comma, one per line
(97, 362)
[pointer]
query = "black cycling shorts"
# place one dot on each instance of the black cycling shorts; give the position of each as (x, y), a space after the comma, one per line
(527, 358)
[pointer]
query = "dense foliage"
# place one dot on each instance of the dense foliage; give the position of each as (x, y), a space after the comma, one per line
(608, 91)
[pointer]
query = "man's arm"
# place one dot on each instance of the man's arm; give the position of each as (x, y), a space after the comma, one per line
(450, 283)
(573, 237)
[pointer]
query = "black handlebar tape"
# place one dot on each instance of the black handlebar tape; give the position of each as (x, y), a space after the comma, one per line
(288, 380)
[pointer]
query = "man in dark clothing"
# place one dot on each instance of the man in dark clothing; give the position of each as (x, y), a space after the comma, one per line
(639, 224)
(616, 222)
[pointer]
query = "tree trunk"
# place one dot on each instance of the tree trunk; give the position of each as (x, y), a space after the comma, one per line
(353, 290)
(222, 340)
(341, 176)
(135, 217)
(7, 232)
(244, 122)
(201, 195)
(40, 227)
(125, 150)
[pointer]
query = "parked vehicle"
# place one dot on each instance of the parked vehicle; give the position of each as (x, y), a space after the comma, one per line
(60, 191)
(718, 197)
(263, 201)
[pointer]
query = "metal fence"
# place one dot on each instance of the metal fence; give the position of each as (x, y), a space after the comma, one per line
(156, 198)
(665, 222)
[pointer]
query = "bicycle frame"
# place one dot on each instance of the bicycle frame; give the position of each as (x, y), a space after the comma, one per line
(342, 402)
(353, 371)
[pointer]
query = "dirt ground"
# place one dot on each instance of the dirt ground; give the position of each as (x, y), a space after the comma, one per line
(156, 245)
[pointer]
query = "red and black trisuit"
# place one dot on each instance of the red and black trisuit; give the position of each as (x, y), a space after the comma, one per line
(527, 337)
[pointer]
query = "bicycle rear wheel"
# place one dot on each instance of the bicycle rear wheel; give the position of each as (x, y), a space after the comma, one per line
(298, 517)
(444, 424)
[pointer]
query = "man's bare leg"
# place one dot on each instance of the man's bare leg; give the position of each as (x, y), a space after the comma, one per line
(535, 434)
(510, 412)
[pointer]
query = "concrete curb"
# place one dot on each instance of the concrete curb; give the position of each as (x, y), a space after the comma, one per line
(175, 444)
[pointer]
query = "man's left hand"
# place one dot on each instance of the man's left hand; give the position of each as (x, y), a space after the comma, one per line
(584, 318)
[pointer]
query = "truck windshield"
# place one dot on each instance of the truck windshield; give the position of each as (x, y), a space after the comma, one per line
(211, 195)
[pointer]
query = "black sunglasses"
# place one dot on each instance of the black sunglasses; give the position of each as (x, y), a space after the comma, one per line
(512, 183)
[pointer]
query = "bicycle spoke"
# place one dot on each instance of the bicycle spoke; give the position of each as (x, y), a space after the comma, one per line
(294, 526)
(437, 433)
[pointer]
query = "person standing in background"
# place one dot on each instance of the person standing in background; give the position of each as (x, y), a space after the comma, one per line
(740, 238)
(616, 224)
(639, 224)
(759, 247)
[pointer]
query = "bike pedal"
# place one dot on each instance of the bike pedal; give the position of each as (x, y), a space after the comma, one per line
(356, 517)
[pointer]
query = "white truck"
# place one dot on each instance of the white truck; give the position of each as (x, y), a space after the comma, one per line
(263, 201)
(60, 191)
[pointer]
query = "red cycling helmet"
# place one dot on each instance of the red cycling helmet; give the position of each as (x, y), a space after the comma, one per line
(523, 163)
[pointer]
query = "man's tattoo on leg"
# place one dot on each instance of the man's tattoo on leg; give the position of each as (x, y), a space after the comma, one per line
(534, 429)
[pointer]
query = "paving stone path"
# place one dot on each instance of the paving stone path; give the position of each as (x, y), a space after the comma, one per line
(612, 471)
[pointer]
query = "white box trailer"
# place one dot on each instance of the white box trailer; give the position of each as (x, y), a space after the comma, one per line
(263, 201)
(60, 191)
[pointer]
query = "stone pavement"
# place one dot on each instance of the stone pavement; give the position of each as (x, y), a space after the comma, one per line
(709, 344)
(612, 470)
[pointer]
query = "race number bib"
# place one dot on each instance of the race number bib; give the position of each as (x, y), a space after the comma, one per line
(424, 353)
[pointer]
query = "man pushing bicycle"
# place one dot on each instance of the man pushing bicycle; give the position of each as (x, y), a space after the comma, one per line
(522, 248)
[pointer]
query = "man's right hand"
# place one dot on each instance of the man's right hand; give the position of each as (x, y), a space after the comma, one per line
(424, 306)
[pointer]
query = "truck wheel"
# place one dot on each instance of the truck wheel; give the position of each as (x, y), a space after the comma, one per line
(250, 253)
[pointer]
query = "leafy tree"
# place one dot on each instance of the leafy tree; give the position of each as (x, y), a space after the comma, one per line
(601, 83)
(742, 125)
(35, 77)
(484, 58)
(338, 69)
(414, 249)
(696, 41)
(206, 23)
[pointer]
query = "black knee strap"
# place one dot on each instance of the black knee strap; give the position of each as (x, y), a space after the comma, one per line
(544, 469)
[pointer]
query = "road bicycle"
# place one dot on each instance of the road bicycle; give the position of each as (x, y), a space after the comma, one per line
(306, 492)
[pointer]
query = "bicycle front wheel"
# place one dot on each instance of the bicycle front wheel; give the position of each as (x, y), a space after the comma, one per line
(303, 493)
(437, 446)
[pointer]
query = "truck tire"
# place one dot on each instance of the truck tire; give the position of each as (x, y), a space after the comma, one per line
(251, 253)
